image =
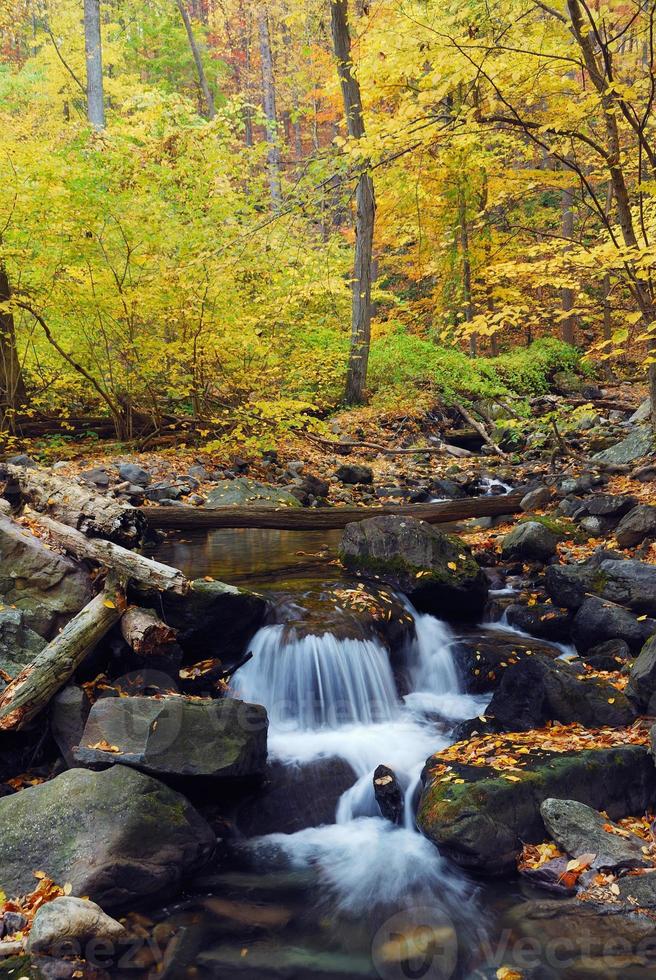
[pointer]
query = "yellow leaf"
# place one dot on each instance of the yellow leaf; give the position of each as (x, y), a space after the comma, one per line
(68, 888)
(452, 565)
(109, 604)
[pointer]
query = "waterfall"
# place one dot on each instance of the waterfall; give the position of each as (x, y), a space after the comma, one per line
(313, 682)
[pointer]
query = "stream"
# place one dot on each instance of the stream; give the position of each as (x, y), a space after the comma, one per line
(356, 896)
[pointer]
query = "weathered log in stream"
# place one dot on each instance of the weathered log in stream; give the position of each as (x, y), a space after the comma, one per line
(74, 504)
(144, 631)
(326, 518)
(128, 564)
(33, 688)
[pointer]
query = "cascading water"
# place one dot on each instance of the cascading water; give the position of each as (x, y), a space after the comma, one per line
(329, 696)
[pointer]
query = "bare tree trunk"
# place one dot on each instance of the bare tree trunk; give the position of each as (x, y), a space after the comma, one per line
(269, 103)
(12, 386)
(210, 108)
(365, 212)
(567, 328)
(93, 53)
(466, 269)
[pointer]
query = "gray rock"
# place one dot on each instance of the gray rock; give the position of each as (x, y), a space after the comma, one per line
(568, 585)
(98, 476)
(639, 523)
(163, 492)
(242, 492)
(65, 927)
(389, 795)
(642, 413)
(610, 655)
(45, 586)
(642, 679)
(637, 444)
(19, 645)
(597, 527)
(134, 474)
(632, 583)
(539, 689)
(645, 474)
(579, 830)
(609, 505)
(352, 473)
(116, 836)
(436, 570)
(199, 472)
(536, 499)
(530, 541)
(542, 620)
(68, 716)
(23, 460)
(599, 620)
(173, 736)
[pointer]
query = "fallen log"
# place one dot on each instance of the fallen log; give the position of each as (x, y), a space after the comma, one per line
(482, 431)
(128, 564)
(145, 632)
(37, 683)
(326, 518)
(75, 504)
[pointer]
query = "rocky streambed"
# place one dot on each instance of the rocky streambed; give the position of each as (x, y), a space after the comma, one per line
(437, 757)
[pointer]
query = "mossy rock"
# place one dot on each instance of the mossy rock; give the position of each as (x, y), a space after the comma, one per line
(435, 570)
(483, 822)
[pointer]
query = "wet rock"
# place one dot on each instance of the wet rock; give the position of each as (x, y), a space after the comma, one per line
(536, 499)
(389, 795)
(637, 444)
(539, 689)
(98, 477)
(175, 737)
(642, 679)
(599, 620)
(542, 620)
(115, 835)
(645, 474)
(68, 716)
(294, 796)
(214, 619)
(579, 829)
(640, 523)
(642, 413)
(581, 484)
(46, 587)
(65, 926)
(597, 527)
(530, 541)
(568, 585)
(133, 473)
(611, 655)
(483, 823)
(482, 658)
(242, 492)
(161, 492)
(434, 569)
(631, 583)
(352, 473)
(447, 489)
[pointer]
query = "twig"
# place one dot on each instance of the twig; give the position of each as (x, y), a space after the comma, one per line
(482, 431)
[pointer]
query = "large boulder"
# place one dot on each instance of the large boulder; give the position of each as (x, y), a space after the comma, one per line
(116, 836)
(637, 444)
(69, 711)
(639, 523)
(65, 927)
(631, 583)
(46, 587)
(481, 816)
(545, 621)
(434, 569)
(176, 737)
(353, 473)
(530, 541)
(642, 679)
(539, 689)
(242, 492)
(609, 505)
(578, 830)
(483, 657)
(599, 620)
(568, 585)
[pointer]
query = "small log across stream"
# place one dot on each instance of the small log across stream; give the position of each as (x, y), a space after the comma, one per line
(327, 518)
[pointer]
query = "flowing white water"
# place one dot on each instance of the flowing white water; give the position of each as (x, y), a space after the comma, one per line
(331, 697)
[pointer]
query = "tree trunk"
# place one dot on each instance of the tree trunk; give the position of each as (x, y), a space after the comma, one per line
(145, 632)
(37, 683)
(269, 104)
(466, 269)
(130, 565)
(567, 327)
(208, 98)
(12, 386)
(365, 212)
(93, 53)
(327, 518)
(75, 504)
